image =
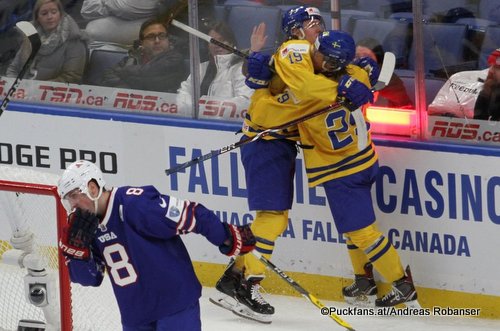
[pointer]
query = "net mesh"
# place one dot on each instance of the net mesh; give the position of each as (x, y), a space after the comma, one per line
(91, 308)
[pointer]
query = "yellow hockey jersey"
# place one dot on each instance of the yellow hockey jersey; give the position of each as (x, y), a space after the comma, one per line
(332, 135)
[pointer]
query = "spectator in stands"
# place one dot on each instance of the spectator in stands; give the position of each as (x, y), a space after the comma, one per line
(487, 105)
(221, 75)
(117, 21)
(63, 53)
(394, 94)
(153, 65)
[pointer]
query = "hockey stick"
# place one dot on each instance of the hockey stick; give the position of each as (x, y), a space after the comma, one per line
(29, 31)
(388, 65)
(302, 291)
(209, 39)
(384, 78)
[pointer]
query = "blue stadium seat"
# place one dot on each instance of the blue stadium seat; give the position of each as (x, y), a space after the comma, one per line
(348, 4)
(478, 24)
(347, 17)
(443, 46)
(433, 7)
(327, 18)
(490, 9)
(406, 17)
(100, 60)
(242, 19)
(491, 42)
(384, 8)
(432, 87)
(391, 34)
(241, 3)
(220, 13)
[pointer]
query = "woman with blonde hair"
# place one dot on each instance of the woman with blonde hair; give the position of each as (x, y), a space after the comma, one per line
(63, 53)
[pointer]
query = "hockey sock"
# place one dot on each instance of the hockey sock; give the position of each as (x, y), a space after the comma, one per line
(379, 251)
(239, 262)
(266, 227)
(358, 258)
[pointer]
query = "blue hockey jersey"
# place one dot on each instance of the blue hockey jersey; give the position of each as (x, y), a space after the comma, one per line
(138, 243)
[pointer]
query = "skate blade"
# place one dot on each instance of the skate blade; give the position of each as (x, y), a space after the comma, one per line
(224, 301)
(361, 301)
(409, 304)
(245, 312)
(413, 304)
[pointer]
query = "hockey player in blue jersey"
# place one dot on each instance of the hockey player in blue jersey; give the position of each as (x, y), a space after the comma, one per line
(134, 234)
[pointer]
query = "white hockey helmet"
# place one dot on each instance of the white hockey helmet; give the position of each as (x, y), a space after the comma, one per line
(77, 176)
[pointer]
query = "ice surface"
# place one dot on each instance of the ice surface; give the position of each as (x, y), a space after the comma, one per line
(297, 313)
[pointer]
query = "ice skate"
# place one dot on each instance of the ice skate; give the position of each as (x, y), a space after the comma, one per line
(251, 304)
(226, 288)
(403, 292)
(363, 291)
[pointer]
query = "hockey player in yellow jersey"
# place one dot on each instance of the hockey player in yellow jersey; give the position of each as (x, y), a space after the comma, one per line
(269, 171)
(336, 162)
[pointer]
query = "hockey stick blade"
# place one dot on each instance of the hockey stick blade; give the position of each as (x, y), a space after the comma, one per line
(29, 31)
(385, 77)
(301, 290)
(386, 71)
(26, 28)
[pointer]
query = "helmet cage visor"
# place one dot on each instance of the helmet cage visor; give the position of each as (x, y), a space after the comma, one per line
(332, 64)
(69, 198)
(312, 21)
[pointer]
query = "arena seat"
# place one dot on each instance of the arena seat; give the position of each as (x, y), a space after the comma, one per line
(475, 23)
(490, 10)
(443, 46)
(347, 17)
(242, 19)
(491, 42)
(393, 35)
(384, 8)
(99, 61)
(440, 7)
(407, 17)
(432, 87)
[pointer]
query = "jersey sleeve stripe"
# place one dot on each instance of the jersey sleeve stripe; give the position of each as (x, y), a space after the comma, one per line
(182, 221)
(367, 151)
(192, 218)
(344, 168)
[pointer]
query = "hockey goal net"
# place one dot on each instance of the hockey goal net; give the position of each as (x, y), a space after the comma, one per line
(29, 202)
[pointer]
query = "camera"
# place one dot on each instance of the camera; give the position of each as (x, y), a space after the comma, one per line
(38, 295)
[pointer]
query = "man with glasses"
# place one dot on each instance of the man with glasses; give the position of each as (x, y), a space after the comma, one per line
(153, 64)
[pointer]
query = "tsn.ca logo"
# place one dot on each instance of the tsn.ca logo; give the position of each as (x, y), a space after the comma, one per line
(454, 130)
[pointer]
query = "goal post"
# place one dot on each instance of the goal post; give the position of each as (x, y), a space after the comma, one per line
(29, 203)
(49, 190)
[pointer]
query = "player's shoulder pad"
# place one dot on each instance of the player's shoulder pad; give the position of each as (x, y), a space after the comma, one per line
(294, 46)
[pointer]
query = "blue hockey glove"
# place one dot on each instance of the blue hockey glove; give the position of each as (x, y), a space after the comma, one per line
(370, 66)
(259, 73)
(240, 240)
(355, 91)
